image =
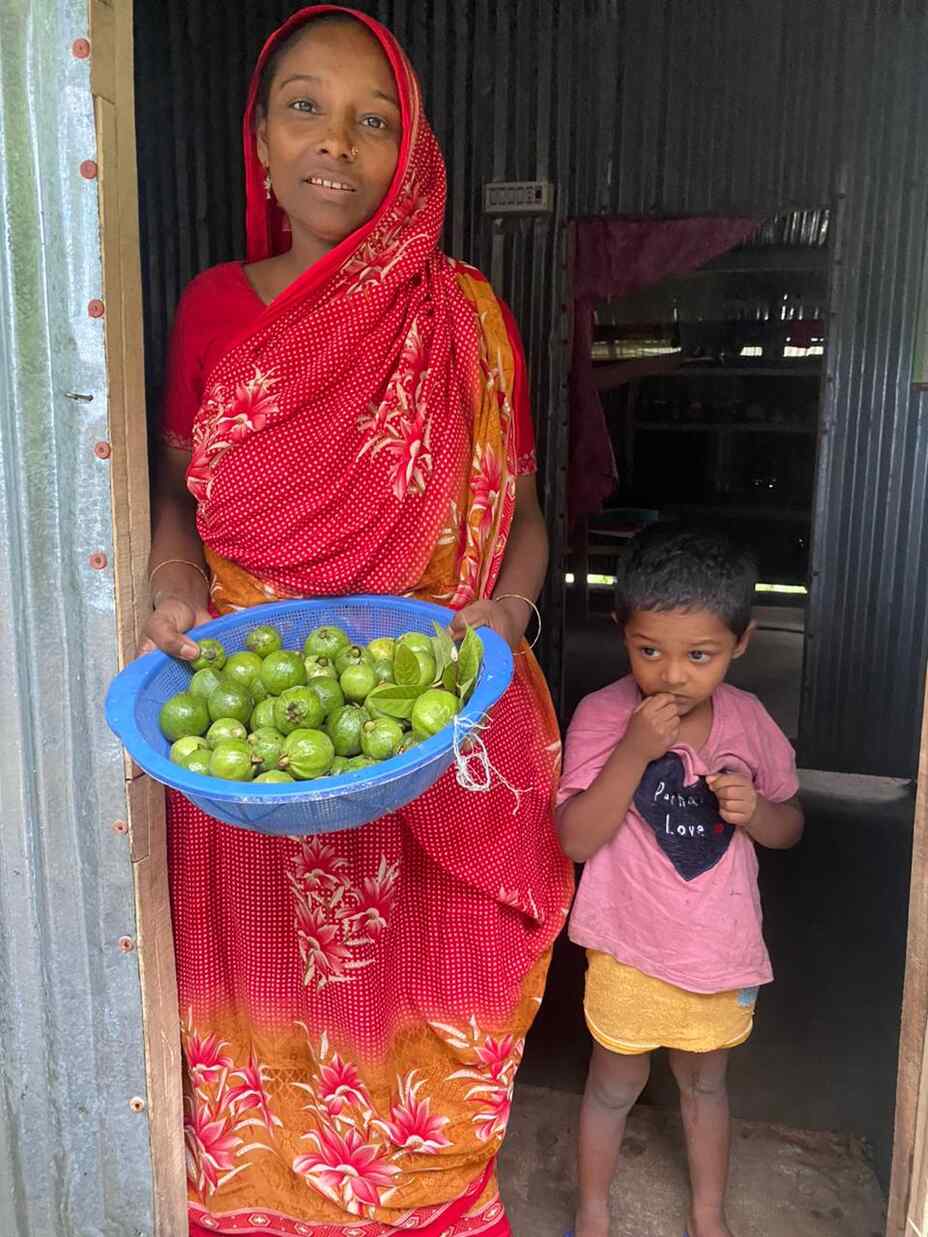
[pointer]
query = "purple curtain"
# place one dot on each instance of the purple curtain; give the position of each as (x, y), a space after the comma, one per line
(613, 258)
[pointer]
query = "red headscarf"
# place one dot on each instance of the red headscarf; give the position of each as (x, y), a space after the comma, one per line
(368, 407)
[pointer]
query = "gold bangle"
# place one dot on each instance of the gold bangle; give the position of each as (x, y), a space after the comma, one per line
(185, 562)
(528, 601)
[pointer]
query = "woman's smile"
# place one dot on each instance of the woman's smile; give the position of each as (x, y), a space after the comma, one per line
(322, 182)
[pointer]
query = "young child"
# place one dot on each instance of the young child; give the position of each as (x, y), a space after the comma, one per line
(671, 778)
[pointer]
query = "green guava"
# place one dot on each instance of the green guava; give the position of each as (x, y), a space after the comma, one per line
(232, 761)
(357, 680)
(242, 668)
(281, 670)
(203, 682)
(325, 642)
(184, 714)
(344, 728)
(351, 656)
(426, 660)
(298, 708)
(263, 714)
(259, 692)
(356, 763)
(267, 747)
(407, 742)
(381, 738)
(328, 691)
(433, 711)
(224, 729)
(264, 640)
(320, 667)
(211, 654)
(382, 648)
(198, 761)
(307, 754)
(182, 748)
(230, 700)
(384, 671)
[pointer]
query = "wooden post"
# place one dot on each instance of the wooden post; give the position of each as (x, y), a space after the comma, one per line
(112, 83)
(908, 1194)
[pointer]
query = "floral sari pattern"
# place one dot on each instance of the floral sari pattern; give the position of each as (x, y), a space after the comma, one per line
(334, 919)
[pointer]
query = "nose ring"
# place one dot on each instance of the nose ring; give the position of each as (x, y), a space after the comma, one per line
(354, 152)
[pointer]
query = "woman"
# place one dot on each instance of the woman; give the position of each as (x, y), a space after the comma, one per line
(348, 411)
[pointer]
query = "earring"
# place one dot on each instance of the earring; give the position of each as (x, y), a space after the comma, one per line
(268, 187)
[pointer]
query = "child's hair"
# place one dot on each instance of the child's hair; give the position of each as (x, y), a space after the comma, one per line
(671, 566)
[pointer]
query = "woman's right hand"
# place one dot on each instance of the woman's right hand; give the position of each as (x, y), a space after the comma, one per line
(167, 624)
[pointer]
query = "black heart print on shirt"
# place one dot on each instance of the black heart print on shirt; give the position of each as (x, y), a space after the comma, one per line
(685, 819)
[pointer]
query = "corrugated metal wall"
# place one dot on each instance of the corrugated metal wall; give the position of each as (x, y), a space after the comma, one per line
(634, 106)
(868, 629)
(73, 1155)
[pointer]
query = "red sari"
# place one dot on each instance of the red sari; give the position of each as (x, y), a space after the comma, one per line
(354, 1005)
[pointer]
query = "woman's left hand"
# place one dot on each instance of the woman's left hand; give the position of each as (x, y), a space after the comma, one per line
(508, 618)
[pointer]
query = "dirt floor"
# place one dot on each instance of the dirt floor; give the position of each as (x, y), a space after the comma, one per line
(785, 1183)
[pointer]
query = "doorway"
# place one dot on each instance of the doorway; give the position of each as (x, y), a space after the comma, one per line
(790, 880)
(711, 385)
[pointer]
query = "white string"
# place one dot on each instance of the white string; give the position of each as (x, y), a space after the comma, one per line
(488, 776)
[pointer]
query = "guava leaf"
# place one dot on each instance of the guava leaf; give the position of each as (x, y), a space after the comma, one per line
(406, 667)
(449, 679)
(470, 659)
(395, 699)
(444, 649)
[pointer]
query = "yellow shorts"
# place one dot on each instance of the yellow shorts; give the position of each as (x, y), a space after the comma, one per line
(630, 1012)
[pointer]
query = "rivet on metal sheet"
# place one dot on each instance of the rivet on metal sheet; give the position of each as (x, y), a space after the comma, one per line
(88, 169)
(126, 944)
(137, 1104)
(96, 309)
(80, 49)
(120, 826)
(102, 450)
(97, 560)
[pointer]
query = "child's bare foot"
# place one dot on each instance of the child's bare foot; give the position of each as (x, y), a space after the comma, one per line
(592, 1221)
(708, 1226)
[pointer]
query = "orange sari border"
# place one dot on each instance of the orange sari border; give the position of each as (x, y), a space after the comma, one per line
(477, 1212)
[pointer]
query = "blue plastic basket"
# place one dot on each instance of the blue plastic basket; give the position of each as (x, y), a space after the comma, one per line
(136, 695)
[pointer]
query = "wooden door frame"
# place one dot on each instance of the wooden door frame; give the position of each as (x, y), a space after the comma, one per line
(908, 1193)
(113, 88)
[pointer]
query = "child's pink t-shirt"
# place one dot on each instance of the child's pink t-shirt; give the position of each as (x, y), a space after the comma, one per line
(677, 898)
